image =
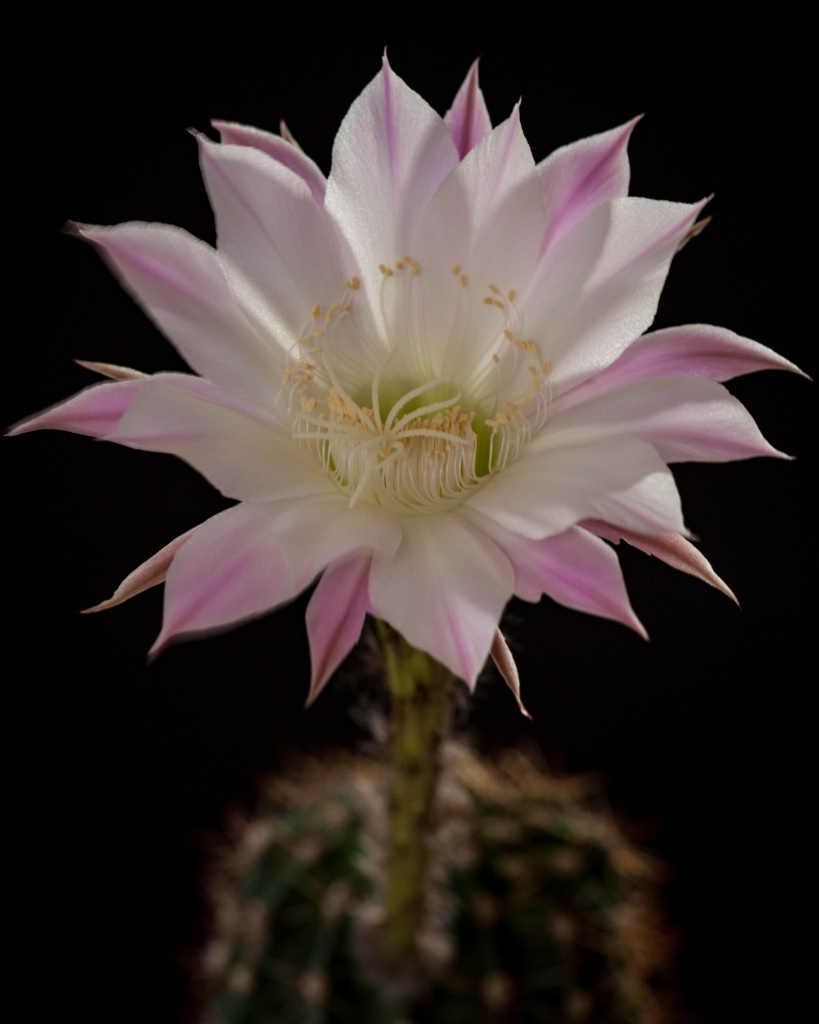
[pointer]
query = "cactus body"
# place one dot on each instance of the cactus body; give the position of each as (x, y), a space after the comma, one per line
(539, 909)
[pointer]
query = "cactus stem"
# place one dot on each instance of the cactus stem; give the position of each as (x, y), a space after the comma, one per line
(421, 692)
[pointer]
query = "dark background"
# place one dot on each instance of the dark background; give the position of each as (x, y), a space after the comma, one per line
(120, 774)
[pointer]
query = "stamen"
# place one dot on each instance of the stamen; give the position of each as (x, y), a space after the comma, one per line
(413, 455)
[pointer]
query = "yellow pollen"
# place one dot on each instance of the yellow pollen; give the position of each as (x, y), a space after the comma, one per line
(308, 404)
(496, 357)
(494, 289)
(464, 281)
(352, 285)
(508, 334)
(385, 270)
(315, 313)
(511, 294)
(456, 268)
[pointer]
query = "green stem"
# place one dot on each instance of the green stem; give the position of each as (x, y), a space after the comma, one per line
(422, 692)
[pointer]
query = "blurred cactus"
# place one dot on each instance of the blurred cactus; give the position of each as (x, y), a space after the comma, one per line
(539, 909)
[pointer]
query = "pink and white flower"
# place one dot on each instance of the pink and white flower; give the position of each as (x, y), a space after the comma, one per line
(424, 379)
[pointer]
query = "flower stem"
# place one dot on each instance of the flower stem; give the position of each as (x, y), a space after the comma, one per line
(421, 692)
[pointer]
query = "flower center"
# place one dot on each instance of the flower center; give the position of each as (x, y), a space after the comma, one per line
(408, 447)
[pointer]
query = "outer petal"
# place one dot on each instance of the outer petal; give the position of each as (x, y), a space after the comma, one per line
(390, 155)
(151, 573)
(573, 568)
(180, 283)
(96, 411)
(597, 289)
(281, 150)
(444, 590)
(256, 557)
(671, 548)
(281, 253)
(467, 118)
(240, 450)
(335, 617)
(623, 481)
(576, 179)
(686, 419)
(112, 370)
(697, 350)
(505, 664)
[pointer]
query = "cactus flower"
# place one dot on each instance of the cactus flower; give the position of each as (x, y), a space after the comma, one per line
(424, 379)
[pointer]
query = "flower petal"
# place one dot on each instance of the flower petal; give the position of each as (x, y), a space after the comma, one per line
(697, 350)
(597, 288)
(335, 617)
(180, 283)
(239, 449)
(578, 178)
(481, 231)
(151, 573)
(622, 480)
(573, 568)
(390, 155)
(280, 252)
(687, 419)
(253, 558)
(112, 370)
(671, 548)
(96, 411)
(280, 149)
(505, 664)
(468, 119)
(444, 590)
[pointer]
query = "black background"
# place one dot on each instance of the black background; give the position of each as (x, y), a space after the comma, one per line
(120, 774)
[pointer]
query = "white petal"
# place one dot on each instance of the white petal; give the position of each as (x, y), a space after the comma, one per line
(697, 350)
(281, 253)
(335, 617)
(597, 289)
(578, 178)
(624, 480)
(573, 568)
(180, 283)
(390, 155)
(280, 149)
(255, 557)
(467, 118)
(444, 590)
(241, 451)
(687, 419)
(487, 219)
